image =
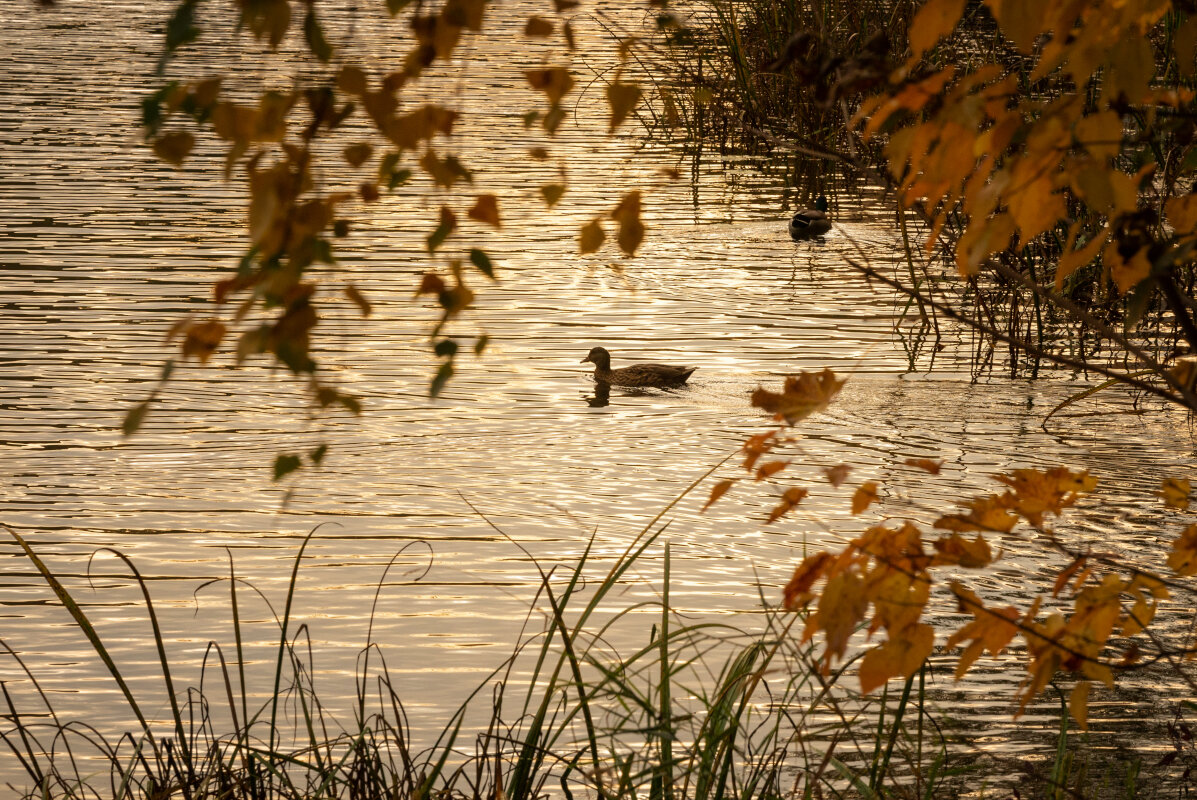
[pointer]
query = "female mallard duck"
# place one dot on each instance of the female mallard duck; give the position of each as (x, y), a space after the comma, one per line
(812, 221)
(659, 375)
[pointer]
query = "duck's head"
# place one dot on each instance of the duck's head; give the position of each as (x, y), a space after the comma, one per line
(599, 357)
(821, 204)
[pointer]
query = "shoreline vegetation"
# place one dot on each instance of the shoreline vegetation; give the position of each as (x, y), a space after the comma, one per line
(702, 710)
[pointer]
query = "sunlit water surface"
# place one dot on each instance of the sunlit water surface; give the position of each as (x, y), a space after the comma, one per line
(103, 249)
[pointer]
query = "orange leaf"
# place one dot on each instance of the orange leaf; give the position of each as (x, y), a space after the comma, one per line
(955, 549)
(802, 395)
(554, 82)
(202, 339)
(1078, 704)
(770, 469)
(925, 464)
(797, 592)
(551, 192)
(864, 497)
(900, 656)
(790, 498)
(173, 147)
(717, 491)
(358, 299)
(538, 26)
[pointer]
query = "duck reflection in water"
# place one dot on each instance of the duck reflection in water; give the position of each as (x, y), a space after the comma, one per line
(602, 396)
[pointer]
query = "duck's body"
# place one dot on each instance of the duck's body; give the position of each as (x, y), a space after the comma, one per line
(659, 375)
(811, 221)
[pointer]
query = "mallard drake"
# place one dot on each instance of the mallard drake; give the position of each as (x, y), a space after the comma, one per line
(659, 375)
(811, 221)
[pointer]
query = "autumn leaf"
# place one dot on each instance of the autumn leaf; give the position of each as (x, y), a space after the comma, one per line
(591, 238)
(840, 609)
(797, 592)
(770, 469)
(552, 192)
(925, 464)
(1175, 492)
(934, 20)
(717, 491)
(623, 98)
(864, 497)
(789, 499)
(990, 513)
(174, 147)
(991, 630)
(358, 299)
(538, 26)
(555, 82)
(358, 154)
(445, 226)
(955, 549)
(486, 209)
(631, 229)
(837, 475)
(1078, 704)
(1182, 211)
(899, 656)
(1183, 558)
(201, 340)
(802, 395)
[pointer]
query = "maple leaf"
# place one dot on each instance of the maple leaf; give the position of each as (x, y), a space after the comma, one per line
(717, 491)
(840, 609)
(802, 395)
(486, 209)
(991, 630)
(1037, 492)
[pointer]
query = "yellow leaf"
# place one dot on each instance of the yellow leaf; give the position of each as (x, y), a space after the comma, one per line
(1182, 213)
(486, 209)
(1127, 273)
(174, 147)
(552, 193)
(840, 609)
(1020, 20)
(1131, 67)
(1072, 260)
(955, 549)
(864, 497)
(900, 656)
(1183, 558)
(1175, 492)
(592, 237)
(1036, 208)
(934, 20)
(631, 229)
(1100, 134)
(790, 498)
(1184, 45)
(802, 395)
(1078, 704)
(623, 97)
(538, 26)
(717, 491)
(351, 80)
(982, 238)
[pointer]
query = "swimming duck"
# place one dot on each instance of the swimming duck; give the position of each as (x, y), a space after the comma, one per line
(811, 221)
(660, 375)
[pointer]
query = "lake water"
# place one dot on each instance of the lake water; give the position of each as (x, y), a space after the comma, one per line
(103, 248)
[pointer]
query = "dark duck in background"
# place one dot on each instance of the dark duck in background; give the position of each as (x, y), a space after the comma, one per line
(658, 375)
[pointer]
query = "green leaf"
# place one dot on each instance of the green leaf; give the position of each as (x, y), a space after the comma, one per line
(438, 236)
(395, 6)
(285, 464)
(446, 348)
(134, 418)
(482, 261)
(314, 35)
(317, 455)
(442, 377)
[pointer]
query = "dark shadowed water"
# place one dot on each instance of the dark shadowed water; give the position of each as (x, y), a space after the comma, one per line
(103, 248)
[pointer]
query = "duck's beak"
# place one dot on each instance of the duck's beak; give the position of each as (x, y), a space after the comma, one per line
(583, 361)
